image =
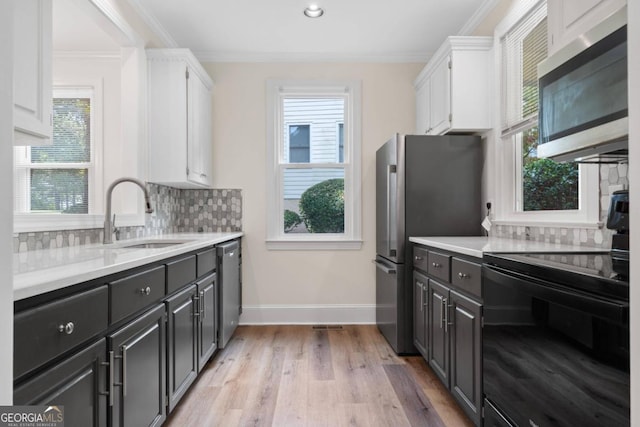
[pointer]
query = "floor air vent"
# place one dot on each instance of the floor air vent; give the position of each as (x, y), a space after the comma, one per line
(328, 327)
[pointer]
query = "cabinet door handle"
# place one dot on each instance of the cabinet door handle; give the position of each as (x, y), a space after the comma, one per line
(145, 291)
(109, 364)
(202, 307)
(436, 265)
(124, 370)
(445, 314)
(418, 258)
(67, 329)
(196, 304)
(464, 275)
(123, 356)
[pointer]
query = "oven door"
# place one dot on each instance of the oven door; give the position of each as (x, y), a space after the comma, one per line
(553, 356)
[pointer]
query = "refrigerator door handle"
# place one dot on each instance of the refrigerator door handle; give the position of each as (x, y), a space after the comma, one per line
(383, 267)
(393, 250)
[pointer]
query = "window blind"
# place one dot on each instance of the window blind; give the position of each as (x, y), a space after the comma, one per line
(523, 47)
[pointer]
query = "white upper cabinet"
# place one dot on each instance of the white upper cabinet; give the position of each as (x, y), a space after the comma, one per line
(453, 91)
(568, 19)
(440, 99)
(32, 78)
(423, 120)
(180, 134)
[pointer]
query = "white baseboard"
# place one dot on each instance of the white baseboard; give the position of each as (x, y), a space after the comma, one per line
(344, 314)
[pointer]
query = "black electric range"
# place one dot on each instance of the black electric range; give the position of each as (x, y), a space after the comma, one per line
(556, 339)
(601, 273)
(555, 334)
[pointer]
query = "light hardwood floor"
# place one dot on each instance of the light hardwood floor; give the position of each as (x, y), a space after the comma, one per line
(301, 376)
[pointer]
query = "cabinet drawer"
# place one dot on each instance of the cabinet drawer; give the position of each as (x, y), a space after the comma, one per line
(439, 265)
(135, 292)
(467, 276)
(420, 258)
(44, 332)
(206, 261)
(180, 273)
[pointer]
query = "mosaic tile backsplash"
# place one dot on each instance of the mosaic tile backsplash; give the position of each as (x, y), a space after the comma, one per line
(610, 175)
(175, 211)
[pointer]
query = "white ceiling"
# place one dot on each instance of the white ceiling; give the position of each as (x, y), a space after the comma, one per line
(353, 30)
(74, 30)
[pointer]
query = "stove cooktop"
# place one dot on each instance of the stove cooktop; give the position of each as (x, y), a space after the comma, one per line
(600, 273)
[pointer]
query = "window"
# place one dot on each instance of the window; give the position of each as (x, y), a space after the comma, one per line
(313, 182)
(299, 143)
(61, 178)
(535, 189)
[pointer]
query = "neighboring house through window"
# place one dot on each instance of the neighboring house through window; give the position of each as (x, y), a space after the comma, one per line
(534, 189)
(314, 164)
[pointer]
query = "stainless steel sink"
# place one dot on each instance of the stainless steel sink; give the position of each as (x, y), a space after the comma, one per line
(150, 244)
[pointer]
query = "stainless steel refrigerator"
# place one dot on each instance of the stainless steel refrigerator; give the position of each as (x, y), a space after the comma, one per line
(425, 186)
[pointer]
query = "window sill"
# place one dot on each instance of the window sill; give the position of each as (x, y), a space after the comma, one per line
(36, 222)
(313, 245)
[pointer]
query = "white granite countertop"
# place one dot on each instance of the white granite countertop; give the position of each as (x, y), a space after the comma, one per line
(476, 246)
(45, 270)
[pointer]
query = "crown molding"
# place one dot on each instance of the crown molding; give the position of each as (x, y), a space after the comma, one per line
(478, 16)
(409, 57)
(153, 23)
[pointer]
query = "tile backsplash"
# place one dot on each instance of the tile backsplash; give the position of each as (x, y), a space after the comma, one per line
(610, 175)
(175, 210)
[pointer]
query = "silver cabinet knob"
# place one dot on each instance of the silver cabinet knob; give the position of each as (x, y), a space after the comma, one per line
(67, 329)
(463, 276)
(145, 291)
(418, 258)
(436, 265)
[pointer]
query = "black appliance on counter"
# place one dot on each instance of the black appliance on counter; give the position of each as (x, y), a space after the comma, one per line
(556, 335)
(425, 186)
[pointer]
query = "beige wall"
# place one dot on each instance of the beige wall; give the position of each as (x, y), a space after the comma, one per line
(302, 278)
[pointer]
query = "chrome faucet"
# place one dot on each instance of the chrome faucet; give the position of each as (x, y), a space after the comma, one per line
(108, 224)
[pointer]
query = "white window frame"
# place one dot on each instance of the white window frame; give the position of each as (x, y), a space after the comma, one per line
(34, 221)
(351, 91)
(509, 175)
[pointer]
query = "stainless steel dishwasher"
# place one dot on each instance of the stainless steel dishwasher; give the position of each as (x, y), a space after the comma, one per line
(230, 290)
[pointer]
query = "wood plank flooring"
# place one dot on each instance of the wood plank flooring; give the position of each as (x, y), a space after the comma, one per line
(301, 376)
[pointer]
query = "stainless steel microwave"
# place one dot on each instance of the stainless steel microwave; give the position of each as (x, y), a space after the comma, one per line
(583, 105)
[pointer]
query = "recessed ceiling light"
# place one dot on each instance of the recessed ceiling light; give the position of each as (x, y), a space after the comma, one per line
(313, 11)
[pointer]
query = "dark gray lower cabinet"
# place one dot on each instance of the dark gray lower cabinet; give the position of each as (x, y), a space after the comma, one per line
(420, 310)
(182, 360)
(207, 320)
(79, 383)
(139, 371)
(439, 330)
(454, 345)
(466, 377)
(124, 354)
